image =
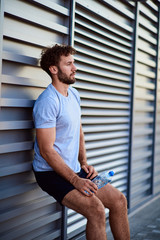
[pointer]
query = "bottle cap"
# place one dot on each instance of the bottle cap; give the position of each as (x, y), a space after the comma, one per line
(111, 173)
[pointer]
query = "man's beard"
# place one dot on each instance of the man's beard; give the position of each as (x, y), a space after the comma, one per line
(64, 78)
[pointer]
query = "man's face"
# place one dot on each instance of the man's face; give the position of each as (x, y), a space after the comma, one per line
(66, 70)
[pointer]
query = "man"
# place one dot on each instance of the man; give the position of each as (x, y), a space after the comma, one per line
(60, 163)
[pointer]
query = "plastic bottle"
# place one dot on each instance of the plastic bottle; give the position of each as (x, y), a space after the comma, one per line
(103, 178)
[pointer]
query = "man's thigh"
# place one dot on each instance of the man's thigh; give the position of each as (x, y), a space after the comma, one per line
(109, 195)
(80, 203)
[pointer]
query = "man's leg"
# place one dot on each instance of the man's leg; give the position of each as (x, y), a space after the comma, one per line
(93, 209)
(116, 202)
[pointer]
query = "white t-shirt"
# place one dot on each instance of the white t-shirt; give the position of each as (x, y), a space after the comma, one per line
(52, 109)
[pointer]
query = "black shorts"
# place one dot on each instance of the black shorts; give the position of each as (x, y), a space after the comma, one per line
(54, 184)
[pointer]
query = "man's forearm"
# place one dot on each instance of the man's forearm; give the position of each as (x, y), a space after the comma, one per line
(82, 150)
(85, 186)
(59, 166)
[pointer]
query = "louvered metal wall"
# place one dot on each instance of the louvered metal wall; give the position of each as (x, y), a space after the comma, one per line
(103, 36)
(26, 27)
(156, 176)
(144, 103)
(119, 84)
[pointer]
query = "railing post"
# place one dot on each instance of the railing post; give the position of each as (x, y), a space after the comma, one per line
(64, 223)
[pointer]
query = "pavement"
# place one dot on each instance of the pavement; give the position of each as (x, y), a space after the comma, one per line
(144, 222)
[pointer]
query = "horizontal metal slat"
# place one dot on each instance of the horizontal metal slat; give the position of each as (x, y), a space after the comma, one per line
(53, 6)
(147, 25)
(119, 169)
(29, 36)
(105, 128)
(20, 189)
(102, 88)
(18, 168)
(138, 178)
(118, 7)
(144, 83)
(74, 218)
(105, 26)
(144, 108)
(102, 73)
(34, 18)
(98, 112)
(145, 60)
(21, 221)
(152, 5)
(97, 47)
(101, 96)
(10, 125)
(104, 120)
(11, 102)
(29, 226)
(141, 95)
(118, 166)
(9, 56)
(148, 74)
(47, 236)
(139, 155)
(140, 187)
(93, 79)
(145, 36)
(14, 147)
(104, 135)
(78, 227)
(103, 104)
(108, 150)
(100, 32)
(142, 47)
(140, 143)
(103, 15)
(100, 56)
(22, 81)
(103, 66)
(102, 144)
(121, 157)
(23, 208)
(145, 11)
(104, 39)
(139, 131)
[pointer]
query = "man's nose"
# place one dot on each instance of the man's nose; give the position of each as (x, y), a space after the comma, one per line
(74, 68)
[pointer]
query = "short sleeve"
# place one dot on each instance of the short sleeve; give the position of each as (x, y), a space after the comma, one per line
(45, 113)
(76, 94)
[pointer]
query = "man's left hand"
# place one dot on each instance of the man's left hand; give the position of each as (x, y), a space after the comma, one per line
(90, 170)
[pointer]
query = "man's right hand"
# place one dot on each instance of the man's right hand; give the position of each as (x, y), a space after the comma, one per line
(85, 186)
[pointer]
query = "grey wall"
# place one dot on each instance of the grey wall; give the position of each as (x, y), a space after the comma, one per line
(118, 79)
(26, 27)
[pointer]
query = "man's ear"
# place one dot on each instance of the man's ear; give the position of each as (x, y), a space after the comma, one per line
(53, 69)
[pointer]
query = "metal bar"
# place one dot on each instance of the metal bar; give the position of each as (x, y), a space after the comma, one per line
(72, 23)
(64, 223)
(1, 40)
(132, 104)
(155, 102)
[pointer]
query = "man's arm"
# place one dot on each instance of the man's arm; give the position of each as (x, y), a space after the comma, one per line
(46, 139)
(83, 158)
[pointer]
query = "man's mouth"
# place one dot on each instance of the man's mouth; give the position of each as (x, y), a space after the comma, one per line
(73, 74)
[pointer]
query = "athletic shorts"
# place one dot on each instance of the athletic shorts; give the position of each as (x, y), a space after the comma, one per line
(54, 184)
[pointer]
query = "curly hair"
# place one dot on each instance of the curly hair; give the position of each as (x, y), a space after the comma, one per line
(51, 56)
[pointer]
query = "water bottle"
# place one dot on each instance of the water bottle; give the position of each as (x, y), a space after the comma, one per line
(103, 178)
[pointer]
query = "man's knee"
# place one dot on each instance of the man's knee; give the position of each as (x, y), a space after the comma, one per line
(120, 202)
(96, 210)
